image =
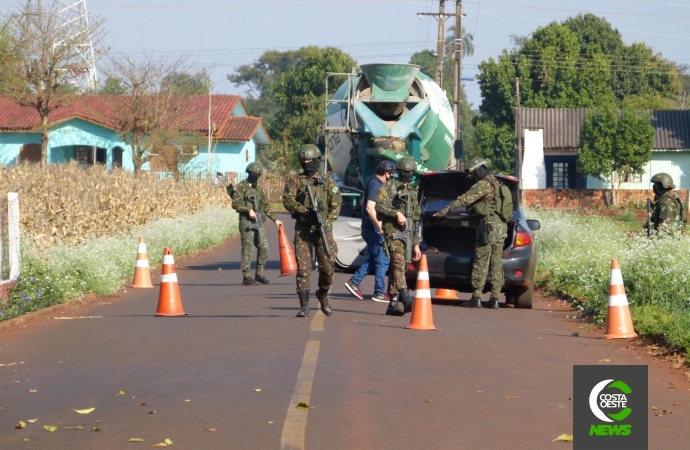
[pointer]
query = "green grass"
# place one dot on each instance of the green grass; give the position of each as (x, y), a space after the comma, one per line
(103, 265)
(574, 257)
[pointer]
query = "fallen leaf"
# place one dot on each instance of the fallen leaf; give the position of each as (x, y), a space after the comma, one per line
(511, 396)
(20, 425)
(26, 440)
(32, 390)
(188, 400)
(84, 411)
(50, 428)
(209, 429)
(120, 393)
(168, 441)
(564, 438)
(676, 404)
(575, 334)
(136, 440)
(160, 445)
(152, 412)
(78, 427)
(257, 390)
(605, 360)
(143, 404)
(32, 420)
(95, 429)
(570, 398)
(654, 408)
(427, 401)
(302, 405)
(480, 391)
(270, 421)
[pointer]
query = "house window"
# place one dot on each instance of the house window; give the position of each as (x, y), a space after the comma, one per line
(560, 175)
(83, 155)
(630, 178)
(117, 157)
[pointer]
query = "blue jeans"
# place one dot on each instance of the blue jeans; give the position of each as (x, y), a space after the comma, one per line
(376, 265)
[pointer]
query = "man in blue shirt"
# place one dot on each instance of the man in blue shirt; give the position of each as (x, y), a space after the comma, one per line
(372, 233)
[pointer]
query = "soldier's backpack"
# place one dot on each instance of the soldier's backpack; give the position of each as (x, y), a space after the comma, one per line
(682, 211)
(504, 201)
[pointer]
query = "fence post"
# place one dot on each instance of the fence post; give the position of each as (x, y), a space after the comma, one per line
(13, 234)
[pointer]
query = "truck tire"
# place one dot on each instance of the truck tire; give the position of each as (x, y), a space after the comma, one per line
(523, 298)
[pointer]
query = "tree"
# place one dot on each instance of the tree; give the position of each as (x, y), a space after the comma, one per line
(496, 144)
(426, 60)
(301, 94)
(614, 148)
(149, 116)
(112, 86)
(187, 84)
(40, 71)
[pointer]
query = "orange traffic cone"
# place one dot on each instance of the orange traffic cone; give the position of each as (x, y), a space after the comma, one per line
(422, 317)
(142, 273)
(446, 294)
(169, 301)
(618, 320)
(288, 263)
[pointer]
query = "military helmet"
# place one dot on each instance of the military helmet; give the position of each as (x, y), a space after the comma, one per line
(665, 180)
(476, 163)
(407, 163)
(386, 166)
(309, 151)
(254, 167)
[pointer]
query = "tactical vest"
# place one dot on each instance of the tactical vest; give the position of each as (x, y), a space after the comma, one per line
(390, 224)
(320, 194)
(486, 207)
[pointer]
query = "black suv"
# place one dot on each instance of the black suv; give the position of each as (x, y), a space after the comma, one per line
(448, 242)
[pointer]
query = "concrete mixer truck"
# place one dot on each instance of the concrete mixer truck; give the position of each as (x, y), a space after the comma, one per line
(386, 112)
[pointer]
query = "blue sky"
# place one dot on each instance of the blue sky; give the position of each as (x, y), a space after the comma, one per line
(222, 34)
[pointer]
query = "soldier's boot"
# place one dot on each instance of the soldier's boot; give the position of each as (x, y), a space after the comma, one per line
(303, 303)
(246, 281)
(406, 300)
(322, 295)
(395, 308)
(262, 279)
(492, 303)
(474, 302)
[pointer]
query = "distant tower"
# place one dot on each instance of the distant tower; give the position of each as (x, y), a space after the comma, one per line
(73, 14)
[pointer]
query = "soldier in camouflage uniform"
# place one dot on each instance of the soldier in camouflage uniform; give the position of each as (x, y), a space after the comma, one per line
(390, 209)
(250, 202)
(667, 207)
(307, 231)
(481, 201)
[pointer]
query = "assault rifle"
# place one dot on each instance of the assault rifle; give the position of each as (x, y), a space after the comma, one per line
(649, 218)
(410, 230)
(260, 217)
(322, 225)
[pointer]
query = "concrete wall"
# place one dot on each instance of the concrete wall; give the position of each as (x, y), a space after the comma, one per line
(674, 163)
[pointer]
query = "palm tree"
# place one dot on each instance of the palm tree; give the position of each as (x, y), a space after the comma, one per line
(467, 38)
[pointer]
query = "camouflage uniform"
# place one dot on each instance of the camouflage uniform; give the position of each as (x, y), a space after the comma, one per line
(665, 210)
(251, 238)
(481, 200)
(297, 202)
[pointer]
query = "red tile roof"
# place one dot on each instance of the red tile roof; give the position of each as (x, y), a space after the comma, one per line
(98, 109)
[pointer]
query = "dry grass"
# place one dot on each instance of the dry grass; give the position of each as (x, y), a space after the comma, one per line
(66, 204)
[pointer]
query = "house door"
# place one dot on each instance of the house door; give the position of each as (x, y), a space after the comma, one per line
(101, 155)
(30, 153)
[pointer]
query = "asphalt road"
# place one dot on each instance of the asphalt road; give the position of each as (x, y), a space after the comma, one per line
(486, 379)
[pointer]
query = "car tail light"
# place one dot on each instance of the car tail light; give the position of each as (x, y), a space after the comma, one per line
(410, 266)
(518, 273)
(522, 238)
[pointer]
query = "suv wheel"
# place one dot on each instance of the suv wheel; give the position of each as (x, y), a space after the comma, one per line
(524, 297)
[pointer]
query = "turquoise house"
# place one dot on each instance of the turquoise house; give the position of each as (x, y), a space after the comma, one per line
(86, 131)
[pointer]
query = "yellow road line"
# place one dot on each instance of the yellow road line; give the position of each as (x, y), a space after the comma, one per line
(296, 420)
(317, 321)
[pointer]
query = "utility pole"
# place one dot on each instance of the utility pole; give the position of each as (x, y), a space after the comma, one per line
(457, 57)
(518, 147)
(441, 17)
